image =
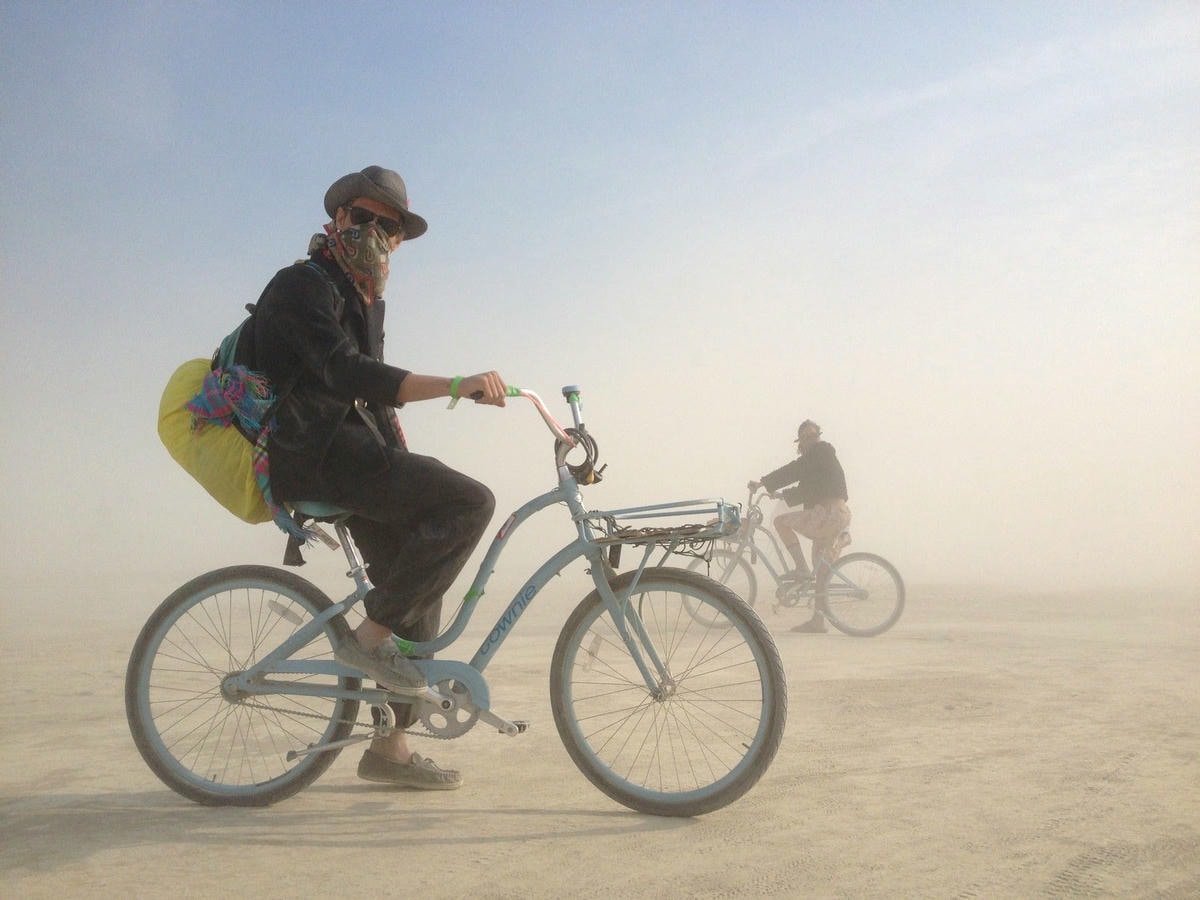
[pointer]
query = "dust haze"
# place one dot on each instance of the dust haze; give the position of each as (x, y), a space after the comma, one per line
(966, 242)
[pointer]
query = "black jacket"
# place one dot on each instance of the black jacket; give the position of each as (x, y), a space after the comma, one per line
(817, 474)
(330, 348)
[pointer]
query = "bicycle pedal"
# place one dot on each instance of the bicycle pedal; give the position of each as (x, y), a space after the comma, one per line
(503, 725)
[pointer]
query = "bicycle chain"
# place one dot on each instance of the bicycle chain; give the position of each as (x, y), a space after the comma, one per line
(424, 732)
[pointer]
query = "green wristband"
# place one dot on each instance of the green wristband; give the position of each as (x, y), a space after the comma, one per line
(454, 383)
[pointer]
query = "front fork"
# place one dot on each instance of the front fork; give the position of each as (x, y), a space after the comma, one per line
(628, 622)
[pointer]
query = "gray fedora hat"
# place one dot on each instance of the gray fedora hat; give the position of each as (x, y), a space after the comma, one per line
(380, 184)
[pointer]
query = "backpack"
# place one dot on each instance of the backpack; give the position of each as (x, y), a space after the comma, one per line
(204, 397)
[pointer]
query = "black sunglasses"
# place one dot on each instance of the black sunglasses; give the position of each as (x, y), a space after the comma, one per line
(360, 216)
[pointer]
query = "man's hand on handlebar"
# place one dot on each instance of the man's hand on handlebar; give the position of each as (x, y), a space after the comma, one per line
(487, 388)
(753, 486)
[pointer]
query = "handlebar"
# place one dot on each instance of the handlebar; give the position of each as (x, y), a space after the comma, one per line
(555, 428)
(755, 488)
(513, 391)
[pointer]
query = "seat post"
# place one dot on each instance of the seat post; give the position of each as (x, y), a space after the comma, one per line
(357, 571)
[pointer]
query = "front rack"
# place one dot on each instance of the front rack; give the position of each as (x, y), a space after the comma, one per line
(691, 539)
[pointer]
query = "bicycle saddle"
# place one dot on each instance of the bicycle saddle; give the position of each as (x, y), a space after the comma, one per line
(317, 509)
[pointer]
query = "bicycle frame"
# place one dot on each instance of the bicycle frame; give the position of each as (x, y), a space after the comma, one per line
(589, 544)
(748, 542)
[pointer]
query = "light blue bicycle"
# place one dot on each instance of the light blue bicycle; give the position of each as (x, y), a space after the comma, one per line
(234, 698)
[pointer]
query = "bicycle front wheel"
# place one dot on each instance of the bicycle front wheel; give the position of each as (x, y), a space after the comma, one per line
(225, 751)
(729, 569)
(710, 724)
(865, 595)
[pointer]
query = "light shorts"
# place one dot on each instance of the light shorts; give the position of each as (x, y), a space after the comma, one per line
(820, 523)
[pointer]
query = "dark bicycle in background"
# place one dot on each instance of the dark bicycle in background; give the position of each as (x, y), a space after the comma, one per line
(862, 596)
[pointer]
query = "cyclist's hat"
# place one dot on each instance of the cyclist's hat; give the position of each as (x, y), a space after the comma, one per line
(375, 183)
(807, 423)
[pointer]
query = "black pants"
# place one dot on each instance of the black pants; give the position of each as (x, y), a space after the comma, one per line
(416, 524)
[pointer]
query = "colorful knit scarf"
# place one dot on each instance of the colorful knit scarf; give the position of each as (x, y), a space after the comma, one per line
(238, 394)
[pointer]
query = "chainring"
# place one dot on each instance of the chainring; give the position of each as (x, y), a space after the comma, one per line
(452, 722)
(791, 595)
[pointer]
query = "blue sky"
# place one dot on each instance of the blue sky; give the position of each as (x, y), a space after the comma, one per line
(963, 236)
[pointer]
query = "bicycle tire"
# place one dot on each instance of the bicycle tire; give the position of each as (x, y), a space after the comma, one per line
(865, 595)
(731, 570)
(211, 749)
(721, 721)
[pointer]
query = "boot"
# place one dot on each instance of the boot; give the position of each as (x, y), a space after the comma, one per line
(815, 625)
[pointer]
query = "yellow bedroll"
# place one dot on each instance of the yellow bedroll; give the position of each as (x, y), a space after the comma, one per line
(219, 458)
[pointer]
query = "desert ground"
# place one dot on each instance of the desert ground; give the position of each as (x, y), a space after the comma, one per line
(993, 744)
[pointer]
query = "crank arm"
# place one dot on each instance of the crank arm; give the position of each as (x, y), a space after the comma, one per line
(503, 725)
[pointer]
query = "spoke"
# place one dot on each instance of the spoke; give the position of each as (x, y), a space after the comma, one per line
(641, 746)
(691, 663)
(701, 715)
(658, 742)
(625, 711)
(212, 629)
(275, 622)
(645, 707)
(619, 690)
(706, 755)
(242, 737)
(679, 717)
(262, 623)
(620, 648)
(197, 668)
(187, 656)
(696, 697)
(163, 670)
(674, 752)
(221, 712)
(222, 632)
(696, 673)
(254, 716)
(197, 698)
(188, 716)
(218, 742)
(689, 621)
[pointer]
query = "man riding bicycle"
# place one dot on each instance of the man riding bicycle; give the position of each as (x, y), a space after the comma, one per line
(319, 329)
(819, 486)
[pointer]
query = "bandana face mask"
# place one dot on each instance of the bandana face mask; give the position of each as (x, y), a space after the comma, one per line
(362, 250)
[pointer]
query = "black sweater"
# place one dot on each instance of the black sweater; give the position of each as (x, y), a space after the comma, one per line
(331, 346)
(817, 474)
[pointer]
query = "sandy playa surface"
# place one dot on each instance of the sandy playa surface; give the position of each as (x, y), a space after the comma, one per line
(991, 745)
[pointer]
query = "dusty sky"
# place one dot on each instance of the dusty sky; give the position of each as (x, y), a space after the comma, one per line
(963, 237)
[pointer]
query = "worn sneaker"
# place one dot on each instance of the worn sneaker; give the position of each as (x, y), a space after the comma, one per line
(815, 625)
(386, 664)
(419, 773)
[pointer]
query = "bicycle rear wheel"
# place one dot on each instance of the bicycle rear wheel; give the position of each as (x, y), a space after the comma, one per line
(214, 749)
(707, 731)
(729, 569)
(865, 595)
